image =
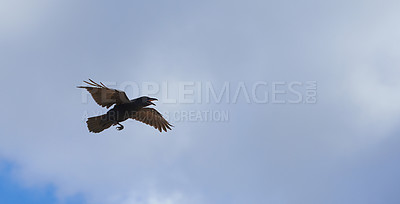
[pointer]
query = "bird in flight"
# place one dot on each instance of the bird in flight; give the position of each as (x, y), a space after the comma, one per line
(122, 110)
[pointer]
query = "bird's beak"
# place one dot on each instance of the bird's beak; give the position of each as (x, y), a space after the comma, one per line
(152, 99)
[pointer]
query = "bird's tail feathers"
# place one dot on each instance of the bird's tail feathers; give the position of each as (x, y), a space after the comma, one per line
(98, 123)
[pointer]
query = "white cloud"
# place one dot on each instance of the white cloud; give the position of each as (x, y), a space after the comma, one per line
(371, 56)
(19, 17)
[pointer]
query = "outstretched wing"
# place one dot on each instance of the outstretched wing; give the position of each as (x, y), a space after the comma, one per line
(105, 96)
(152, 117)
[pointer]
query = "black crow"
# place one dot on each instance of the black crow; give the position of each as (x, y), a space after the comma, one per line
(122, 110)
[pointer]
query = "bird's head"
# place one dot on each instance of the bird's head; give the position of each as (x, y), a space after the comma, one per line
(146, 101)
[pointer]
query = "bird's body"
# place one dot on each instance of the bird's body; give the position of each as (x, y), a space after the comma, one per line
(122, 110)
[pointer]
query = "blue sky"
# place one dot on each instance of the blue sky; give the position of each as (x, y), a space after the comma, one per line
(341, 149)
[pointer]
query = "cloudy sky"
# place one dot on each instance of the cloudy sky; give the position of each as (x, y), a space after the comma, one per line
(341, 148)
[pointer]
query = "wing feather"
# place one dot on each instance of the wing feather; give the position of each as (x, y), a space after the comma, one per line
(105, 96)
(152, 117)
